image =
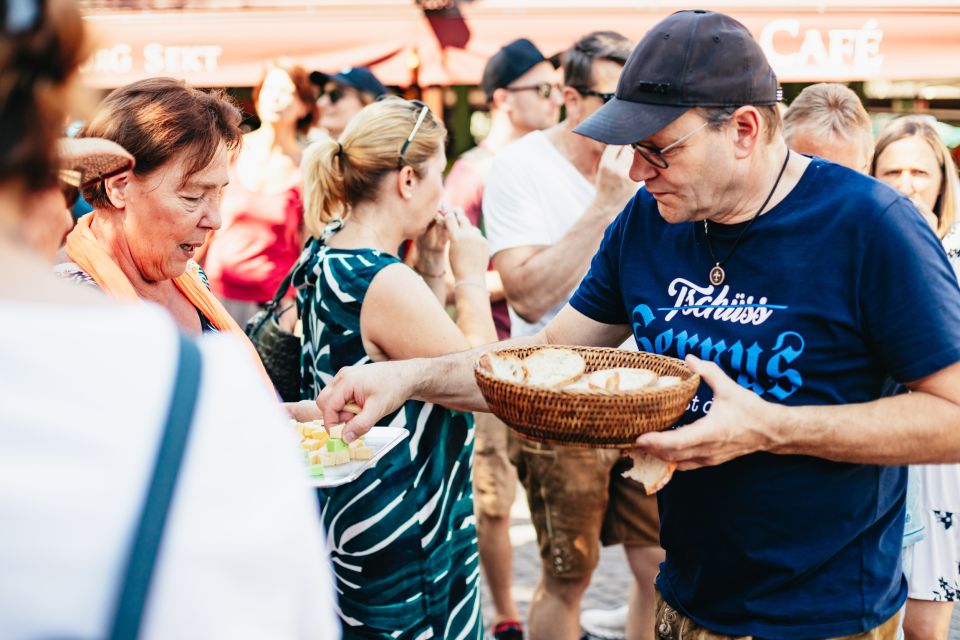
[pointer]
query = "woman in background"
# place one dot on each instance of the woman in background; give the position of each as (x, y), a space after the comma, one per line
(911, 157)
(262, 208)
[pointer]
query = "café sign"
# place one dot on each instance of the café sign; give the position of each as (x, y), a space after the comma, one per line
(823, 53)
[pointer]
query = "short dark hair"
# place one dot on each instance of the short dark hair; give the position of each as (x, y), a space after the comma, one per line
(36, 65)
(159, 118)
(769, 113)
(577, 61)
(305, 88)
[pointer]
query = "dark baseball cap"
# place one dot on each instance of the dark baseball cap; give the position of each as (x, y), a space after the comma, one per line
(359, 78)
(508, 64)
(690, 59)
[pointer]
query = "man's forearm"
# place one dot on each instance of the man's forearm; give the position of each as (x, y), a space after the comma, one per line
(904, 429)
(449, 380)
(548, 277)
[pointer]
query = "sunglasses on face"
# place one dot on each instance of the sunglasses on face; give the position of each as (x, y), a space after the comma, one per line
(544, 89)
(606, 97)
(424, 112)
(336, 94)
(654, 155)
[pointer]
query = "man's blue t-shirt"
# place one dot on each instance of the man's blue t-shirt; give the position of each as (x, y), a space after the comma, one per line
(838, 287)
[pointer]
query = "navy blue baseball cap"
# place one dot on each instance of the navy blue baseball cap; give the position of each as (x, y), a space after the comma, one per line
(508, 64)
(359, 78)
(689, 59)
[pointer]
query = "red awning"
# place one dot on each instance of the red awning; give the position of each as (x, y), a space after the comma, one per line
(222, 49)
(804, 41)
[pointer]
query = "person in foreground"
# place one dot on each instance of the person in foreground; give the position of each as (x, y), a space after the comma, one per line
(794, 287)
(85, 391)
(402, 535)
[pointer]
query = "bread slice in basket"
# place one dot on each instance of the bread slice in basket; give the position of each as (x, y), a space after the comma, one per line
(554, 367)
(622, 379)
(505, 367)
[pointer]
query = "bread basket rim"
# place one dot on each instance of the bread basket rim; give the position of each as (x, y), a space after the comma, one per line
(690, 377)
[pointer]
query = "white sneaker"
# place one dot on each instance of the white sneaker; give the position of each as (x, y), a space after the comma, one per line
(606, 624)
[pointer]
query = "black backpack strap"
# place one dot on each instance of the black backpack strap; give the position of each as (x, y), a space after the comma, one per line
(135, 587)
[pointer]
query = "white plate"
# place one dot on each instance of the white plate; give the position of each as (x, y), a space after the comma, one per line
(380, 439)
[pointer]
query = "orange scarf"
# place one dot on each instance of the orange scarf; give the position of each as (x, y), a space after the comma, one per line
(85, 250)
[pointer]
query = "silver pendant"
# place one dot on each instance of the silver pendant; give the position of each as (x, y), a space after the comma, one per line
(717, 275)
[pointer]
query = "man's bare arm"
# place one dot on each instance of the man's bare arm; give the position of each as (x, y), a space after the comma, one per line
(537, 278)
(911, 428)
(919, 427)
(382, 387)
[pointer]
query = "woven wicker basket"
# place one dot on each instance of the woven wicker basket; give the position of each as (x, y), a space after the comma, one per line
(599, 419)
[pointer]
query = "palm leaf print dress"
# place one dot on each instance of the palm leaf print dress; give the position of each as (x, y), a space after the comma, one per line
(402, 536)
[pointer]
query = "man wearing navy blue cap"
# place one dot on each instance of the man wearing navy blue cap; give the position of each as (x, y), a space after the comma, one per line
(345, 93)
(795, 287)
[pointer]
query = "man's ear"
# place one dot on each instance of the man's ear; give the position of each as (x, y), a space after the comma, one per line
(499, 98)
(115, 188)
(572, 100)
(747, 125)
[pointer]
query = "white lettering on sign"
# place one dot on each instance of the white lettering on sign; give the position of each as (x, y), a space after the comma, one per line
(115, 59)
(158, 59)
(161, 59)
(835, 52)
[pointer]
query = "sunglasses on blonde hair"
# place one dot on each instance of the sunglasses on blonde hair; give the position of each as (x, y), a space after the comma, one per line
(424, 112)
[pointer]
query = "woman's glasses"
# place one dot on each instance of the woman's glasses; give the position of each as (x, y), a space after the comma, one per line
(424, 112)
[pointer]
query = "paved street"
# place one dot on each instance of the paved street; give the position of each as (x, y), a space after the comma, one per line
(610, 582)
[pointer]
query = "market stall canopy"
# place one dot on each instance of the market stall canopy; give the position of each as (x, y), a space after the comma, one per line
(225, 43)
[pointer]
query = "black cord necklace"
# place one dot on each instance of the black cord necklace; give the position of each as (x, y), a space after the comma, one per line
(717, 274)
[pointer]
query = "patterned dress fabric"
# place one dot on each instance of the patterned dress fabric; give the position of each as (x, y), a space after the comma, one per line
(402, 536)
(935, 574)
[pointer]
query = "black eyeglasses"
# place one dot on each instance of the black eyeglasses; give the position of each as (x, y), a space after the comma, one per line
(654, 156)
(544, 89)
(424, 112)
(606, 97)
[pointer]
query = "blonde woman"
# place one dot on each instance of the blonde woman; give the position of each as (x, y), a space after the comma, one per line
(402, 536)
(911, 158)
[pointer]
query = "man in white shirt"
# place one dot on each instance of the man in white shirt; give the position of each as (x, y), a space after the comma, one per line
(524, 95)
(548, 199)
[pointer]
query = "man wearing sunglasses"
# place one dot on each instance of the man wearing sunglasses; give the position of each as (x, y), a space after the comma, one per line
(343, 95)
(523, 96)
(548, 198)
